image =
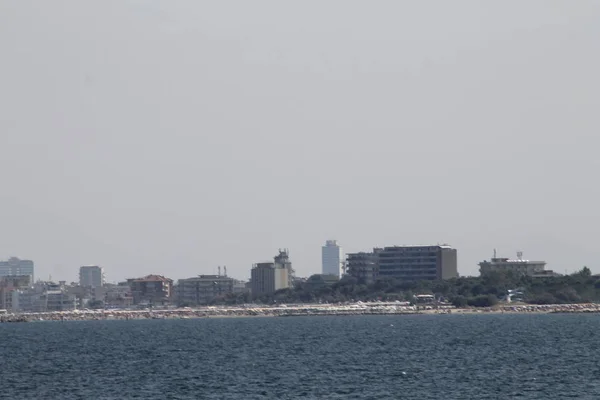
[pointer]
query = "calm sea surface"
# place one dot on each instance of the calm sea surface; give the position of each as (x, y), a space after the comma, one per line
(368, 357)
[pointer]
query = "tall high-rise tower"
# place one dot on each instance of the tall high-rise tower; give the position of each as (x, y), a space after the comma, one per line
(92, 276)
(332, 257)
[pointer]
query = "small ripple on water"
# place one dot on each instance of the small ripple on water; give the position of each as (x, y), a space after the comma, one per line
(419, 357)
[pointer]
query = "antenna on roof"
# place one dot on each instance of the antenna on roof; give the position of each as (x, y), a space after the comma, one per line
(225, 270)
(219, 270)
(494, 253)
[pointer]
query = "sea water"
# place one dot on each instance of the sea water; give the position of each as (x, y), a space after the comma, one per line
(354, 357)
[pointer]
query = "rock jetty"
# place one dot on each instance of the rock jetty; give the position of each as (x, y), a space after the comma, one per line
(297, 310)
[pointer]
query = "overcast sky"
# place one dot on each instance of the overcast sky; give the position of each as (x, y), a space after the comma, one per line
(174, 136)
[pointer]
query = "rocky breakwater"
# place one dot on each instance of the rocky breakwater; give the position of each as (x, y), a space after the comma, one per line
(219, 312)
(553, 308)
(290, 310)
(348, 309)
(7, 318)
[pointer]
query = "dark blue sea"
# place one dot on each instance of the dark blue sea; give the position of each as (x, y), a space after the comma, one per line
(363, 357)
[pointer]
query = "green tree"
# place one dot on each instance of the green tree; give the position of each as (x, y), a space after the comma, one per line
(95, 304)
(460, 301)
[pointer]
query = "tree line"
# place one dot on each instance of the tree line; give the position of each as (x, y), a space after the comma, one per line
(483, 291)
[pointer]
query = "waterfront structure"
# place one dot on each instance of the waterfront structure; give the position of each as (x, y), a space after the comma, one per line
(91, 276)
(43, 297)
(268, 277)
(87, 294)
(332, 259)
(118, 296)
(414, 263)
(364, 265)
(56, 298)
(204, 288)
(151, 290)
(15, 267)
(424, 298)
(518, 266)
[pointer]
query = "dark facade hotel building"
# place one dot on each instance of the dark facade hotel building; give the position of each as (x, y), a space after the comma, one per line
(408, 263)
(418, 262)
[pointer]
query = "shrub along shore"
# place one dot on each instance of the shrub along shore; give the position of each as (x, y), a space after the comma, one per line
(486, 291)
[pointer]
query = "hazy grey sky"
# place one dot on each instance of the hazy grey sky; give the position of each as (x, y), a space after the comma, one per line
(174, 136)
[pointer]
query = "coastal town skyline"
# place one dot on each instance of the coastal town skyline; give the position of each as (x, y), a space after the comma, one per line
(221, 269)
(363, 275)
(316, 199)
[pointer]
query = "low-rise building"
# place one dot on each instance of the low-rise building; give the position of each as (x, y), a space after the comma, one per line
(118, 296)
(241, 287)
(364, 265)
(57, 300)
(9, 285)
(517, 266)
(43, 297)
(203, 289)
(86, 294)
(151, 290)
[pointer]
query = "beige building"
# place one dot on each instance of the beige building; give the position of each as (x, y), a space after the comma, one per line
(204, 288)
(268, 277)
(518, 266)
(118, 295)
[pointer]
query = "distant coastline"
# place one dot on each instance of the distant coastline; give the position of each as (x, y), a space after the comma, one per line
(294, 311)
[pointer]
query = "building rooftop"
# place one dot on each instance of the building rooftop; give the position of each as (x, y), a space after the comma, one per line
(204, 277)
(443, 246)
(507, 260)
(152, 278)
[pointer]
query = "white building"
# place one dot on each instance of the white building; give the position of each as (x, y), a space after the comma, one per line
(519, 266)
(91, 276)
(332, 257)
(43, 297)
